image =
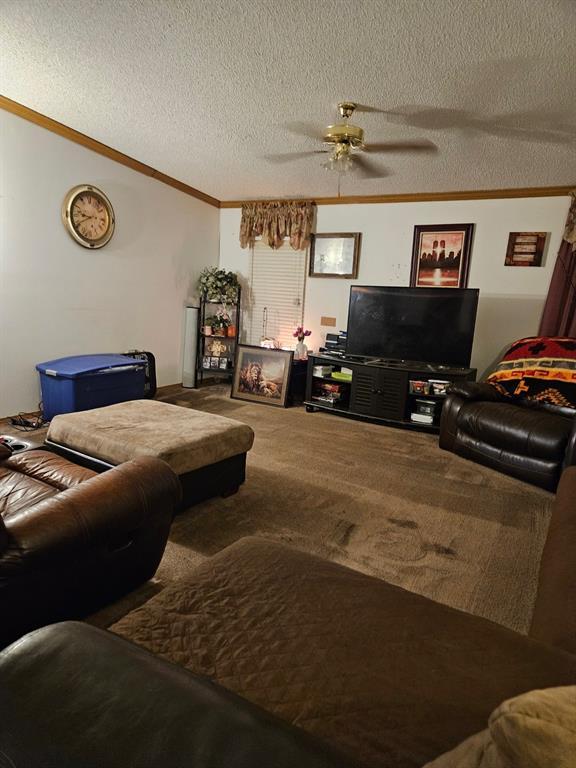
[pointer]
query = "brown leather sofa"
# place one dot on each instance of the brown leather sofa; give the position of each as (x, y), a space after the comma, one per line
(73, 696)
(72, 540)
(391, 678)
(533, 443)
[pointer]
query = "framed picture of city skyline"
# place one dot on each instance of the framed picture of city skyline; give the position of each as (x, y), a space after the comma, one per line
(441, 255)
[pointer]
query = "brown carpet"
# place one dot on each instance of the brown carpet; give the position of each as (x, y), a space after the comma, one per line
(384, 501)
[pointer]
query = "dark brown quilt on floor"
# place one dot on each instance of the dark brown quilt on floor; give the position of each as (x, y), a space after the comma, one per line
(389, 677)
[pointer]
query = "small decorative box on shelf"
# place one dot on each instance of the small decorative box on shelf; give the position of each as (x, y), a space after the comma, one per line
(438, 387)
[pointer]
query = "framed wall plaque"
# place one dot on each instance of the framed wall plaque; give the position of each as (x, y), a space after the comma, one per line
(525, 249)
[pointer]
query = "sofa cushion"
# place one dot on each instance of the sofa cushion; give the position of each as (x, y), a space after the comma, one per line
(535, 730)
(19, 491)
(49, 468)
(388, 676)
(183, 438)
(32, 476)
(524, 431)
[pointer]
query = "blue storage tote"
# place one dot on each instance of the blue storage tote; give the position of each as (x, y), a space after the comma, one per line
(89, 381)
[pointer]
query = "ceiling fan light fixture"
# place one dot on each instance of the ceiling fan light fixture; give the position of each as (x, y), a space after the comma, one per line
(339, 161)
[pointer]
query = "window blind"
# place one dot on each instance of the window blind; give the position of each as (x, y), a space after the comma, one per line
(276, 301)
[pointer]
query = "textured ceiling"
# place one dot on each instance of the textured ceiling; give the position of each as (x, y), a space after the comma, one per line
(204, 90)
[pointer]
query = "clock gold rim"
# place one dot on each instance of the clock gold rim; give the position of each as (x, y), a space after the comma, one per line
(67, 206)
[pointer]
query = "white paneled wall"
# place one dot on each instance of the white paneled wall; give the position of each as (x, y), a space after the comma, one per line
(511, 298)
(57, 298)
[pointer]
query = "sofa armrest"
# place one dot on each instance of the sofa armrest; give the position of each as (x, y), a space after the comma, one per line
(5, 451)
(449, 420)
(554, 618)
(4, 538)
(570, 455)
(134, 709)
(477, 390)
(460, 393)
(99, 514)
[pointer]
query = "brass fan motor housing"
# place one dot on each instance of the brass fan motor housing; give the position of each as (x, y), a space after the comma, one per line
(345, 133)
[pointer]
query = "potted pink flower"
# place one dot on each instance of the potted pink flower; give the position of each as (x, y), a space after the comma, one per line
(301, 350)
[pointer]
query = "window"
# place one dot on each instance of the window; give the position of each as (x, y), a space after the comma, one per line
(276, 300)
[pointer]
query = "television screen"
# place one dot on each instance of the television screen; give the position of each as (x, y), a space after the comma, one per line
(429, 325)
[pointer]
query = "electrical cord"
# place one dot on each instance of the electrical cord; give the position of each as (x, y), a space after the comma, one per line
(28, 422)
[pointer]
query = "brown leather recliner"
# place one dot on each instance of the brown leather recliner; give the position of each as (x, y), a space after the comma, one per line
(72, 540)
(531, 442)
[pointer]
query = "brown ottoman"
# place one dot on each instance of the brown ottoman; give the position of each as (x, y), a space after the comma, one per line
(207, 452)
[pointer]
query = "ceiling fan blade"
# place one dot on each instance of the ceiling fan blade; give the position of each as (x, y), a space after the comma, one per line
(429, 118)
(368, 169)
(418, 145)
(288, 157)
(368, 108)
(309, 130)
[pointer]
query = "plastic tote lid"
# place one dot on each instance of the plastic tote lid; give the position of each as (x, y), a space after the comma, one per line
(71, 367)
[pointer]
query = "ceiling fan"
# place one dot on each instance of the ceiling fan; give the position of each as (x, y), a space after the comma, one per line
(344, 142)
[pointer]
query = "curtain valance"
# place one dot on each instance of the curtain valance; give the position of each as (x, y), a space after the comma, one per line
(275, 221)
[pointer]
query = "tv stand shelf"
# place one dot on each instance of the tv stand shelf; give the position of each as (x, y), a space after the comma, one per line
(382, 391)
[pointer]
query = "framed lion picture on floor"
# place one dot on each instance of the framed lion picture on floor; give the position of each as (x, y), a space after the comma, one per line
(262, 375)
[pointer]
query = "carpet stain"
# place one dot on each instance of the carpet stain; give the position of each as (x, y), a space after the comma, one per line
(439, 549)
(402, 523)
(343, 532)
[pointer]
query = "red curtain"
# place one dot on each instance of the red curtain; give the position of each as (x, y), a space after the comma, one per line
(559, 316)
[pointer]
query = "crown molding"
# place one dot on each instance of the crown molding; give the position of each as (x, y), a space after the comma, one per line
(427, 197)
(102, 149)
(119, 157)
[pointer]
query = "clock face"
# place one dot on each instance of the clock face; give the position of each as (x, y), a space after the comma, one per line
(88, 216)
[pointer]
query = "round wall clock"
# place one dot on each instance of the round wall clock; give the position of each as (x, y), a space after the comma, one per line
(88, 216)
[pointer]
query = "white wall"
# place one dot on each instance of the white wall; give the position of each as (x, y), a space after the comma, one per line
(511, 298)
(58, 298)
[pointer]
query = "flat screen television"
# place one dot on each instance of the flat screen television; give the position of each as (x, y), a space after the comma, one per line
(429, 325)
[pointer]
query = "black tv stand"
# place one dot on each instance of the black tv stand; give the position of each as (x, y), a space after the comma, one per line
(379, 390)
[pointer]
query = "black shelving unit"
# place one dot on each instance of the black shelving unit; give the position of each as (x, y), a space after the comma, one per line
(378, 390)
(224, 367)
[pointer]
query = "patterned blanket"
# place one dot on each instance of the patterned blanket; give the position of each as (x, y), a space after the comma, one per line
(542, 369)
